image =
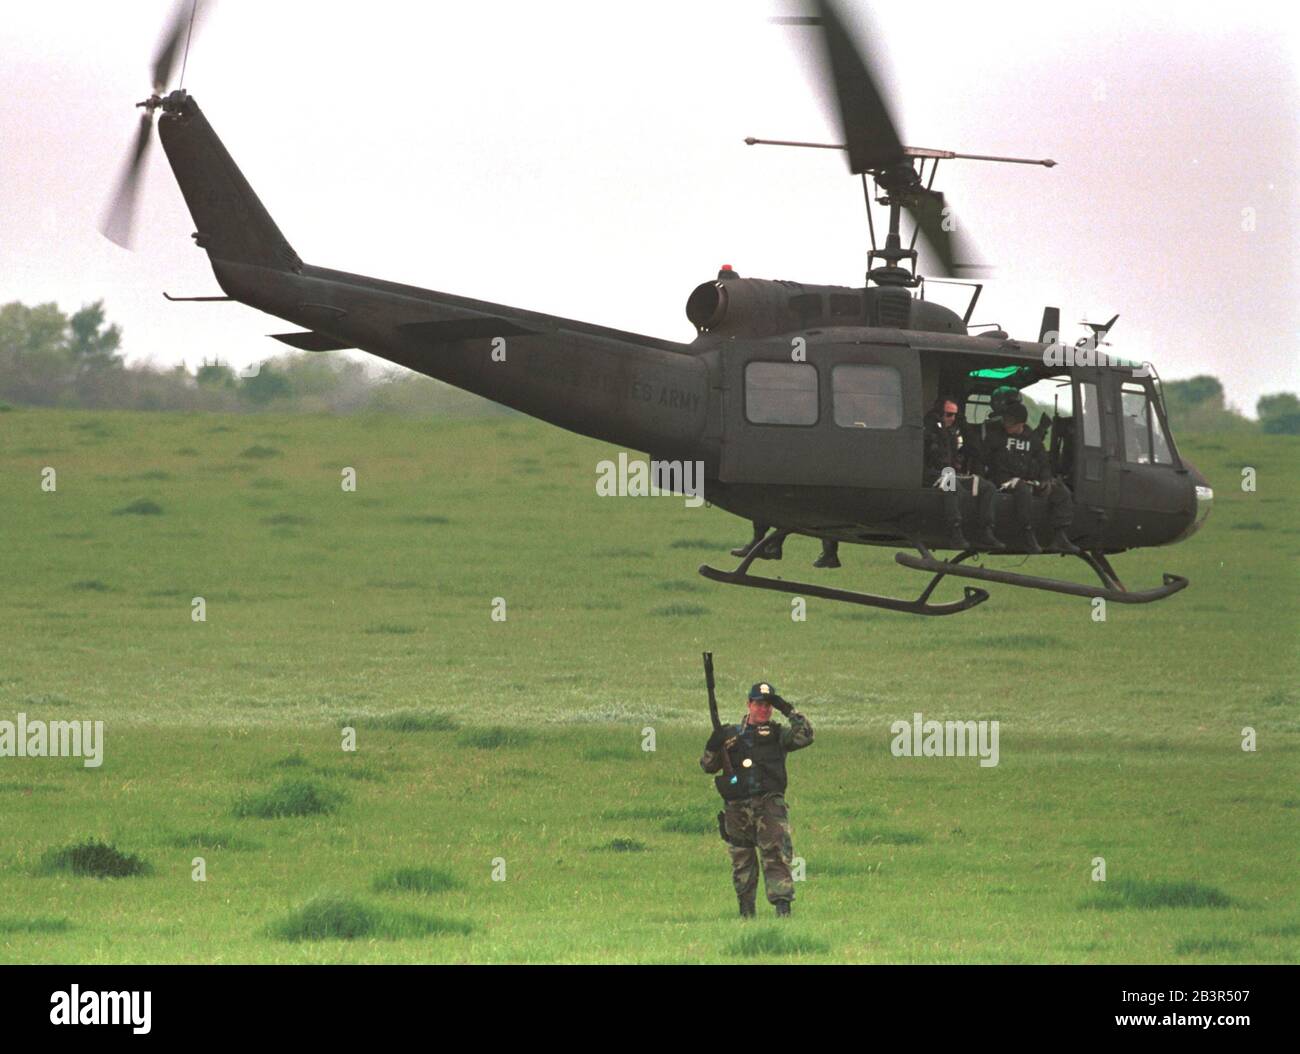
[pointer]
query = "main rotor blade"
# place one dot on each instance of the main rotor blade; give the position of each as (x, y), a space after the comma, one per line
(870, 134)
(165, 57)
(120, 216)
(955, 255)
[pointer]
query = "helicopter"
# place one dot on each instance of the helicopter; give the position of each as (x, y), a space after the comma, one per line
(805, 404)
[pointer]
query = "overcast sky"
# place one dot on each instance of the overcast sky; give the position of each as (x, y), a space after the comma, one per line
(585, 159)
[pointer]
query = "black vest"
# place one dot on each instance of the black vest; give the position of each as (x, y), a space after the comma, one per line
(765, 774)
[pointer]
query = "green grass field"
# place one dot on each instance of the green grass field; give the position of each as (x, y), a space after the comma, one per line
(521, 740)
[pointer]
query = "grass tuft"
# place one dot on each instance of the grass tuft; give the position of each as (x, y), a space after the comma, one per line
(410, 721)
(1140, 893)
(623, 845)
(679, 611)
(1206, 945)
(493, 738)
(289, 798)
(258, 451)
(140, 507)
(39, 924)
(343, 918)
(90, 585)
(92, 859)
(770, 941)
(415, 880)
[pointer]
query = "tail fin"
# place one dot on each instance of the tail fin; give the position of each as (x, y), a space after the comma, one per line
(232, 223)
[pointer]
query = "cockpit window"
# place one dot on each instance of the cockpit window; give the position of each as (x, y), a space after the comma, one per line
(1145, 442)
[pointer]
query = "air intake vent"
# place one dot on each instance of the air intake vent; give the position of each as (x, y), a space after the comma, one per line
(895, 308)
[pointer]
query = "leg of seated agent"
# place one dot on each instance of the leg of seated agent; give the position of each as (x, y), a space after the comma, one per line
(984, 493)
(1060, 505)
(1024, 499)
(952, 517)
(759, 530)
(830, 556)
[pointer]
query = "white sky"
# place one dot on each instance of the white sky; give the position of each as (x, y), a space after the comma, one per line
(585, 159)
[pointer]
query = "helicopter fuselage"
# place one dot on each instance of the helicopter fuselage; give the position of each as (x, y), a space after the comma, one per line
(805, 404)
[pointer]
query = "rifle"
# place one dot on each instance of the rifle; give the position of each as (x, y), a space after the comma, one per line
(713, 715)
(726, 755)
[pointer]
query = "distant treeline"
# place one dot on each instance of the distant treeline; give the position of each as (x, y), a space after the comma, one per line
(48, 358)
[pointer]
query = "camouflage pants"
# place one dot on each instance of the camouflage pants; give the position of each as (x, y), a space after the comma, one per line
(762, 826)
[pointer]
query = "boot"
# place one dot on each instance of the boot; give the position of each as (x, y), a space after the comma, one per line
(1031, 543)
(986, 539)
(1061, 542)
(957, 540)
(830, 555)
(782, 909)
(766, 553)
(747, 906)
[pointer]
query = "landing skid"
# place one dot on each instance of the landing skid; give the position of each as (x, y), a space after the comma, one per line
(919, 606)
(1111, 589)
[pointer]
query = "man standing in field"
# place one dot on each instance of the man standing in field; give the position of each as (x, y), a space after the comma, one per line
(749, 759)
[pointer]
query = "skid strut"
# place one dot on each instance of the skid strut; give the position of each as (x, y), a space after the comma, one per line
(741, 577)
(1111, 588)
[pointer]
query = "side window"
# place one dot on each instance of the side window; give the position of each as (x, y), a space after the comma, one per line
(1136, 416)
(867, 396)
(781, 393)
(1091, 414)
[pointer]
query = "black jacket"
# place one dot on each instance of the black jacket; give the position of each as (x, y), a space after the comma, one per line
(1018, 457)
(942, 448)
(764, 747)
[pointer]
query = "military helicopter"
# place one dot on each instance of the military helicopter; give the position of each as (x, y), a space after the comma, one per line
(804, 403)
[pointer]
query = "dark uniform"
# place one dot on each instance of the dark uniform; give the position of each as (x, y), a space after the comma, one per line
(1022, 462)
(755, 822)
(943, 450)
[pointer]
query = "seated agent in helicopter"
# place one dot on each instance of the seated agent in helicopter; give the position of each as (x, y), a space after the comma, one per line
(1018, 465)
(943, 469)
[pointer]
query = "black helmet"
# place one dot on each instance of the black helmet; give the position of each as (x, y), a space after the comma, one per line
(1004, 397)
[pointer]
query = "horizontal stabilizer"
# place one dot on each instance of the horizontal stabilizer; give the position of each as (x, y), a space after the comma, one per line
(309, 341)
(479, 327)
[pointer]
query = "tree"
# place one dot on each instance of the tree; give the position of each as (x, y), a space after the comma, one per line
(90, 345)
(1279, 414)
(266, 385)
(215, 374)
(1195, 391)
